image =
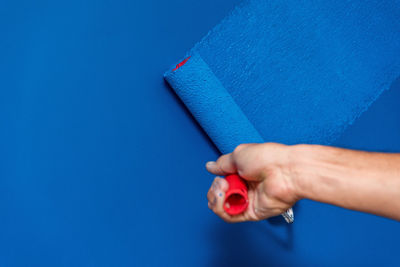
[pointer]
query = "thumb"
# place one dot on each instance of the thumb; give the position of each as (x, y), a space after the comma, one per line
(223, 166)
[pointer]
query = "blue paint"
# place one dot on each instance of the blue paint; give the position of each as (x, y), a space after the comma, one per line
(93, 143)
(290, 72)
(95, 152)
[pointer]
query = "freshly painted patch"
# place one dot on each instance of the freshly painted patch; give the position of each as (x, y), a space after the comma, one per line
(288, 71)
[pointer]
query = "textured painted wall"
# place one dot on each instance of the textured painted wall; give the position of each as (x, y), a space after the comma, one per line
(300, 71)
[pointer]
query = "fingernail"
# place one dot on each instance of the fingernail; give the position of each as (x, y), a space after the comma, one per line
(220, 194)
(210, 164)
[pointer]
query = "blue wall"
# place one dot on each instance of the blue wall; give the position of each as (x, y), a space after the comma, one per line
(101, 164)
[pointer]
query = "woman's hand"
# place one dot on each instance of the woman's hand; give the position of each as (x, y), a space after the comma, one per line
(267, 168)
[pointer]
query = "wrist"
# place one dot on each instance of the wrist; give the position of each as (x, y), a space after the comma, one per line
(303, 161)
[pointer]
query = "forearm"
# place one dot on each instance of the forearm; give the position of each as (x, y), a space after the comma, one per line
(357, 180)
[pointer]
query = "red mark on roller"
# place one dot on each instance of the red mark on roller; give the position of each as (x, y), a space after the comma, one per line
(236, 200)
(181, 64)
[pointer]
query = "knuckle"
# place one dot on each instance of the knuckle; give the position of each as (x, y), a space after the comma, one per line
(215, 185)
(209, 195)
(215, 210)
(238, 149)
(218, 209)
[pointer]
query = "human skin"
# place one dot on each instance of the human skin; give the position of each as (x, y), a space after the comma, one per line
(280, 175)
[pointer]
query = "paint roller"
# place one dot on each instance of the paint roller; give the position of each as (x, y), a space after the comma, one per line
(224, 122)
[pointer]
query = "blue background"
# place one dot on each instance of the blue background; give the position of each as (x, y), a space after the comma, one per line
(101, 164)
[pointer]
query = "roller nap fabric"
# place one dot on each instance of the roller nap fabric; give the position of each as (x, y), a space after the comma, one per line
(290, 71)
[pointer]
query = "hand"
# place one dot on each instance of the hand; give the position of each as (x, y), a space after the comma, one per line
(268, 171)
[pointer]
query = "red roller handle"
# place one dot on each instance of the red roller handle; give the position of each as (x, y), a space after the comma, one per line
(236, 200)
